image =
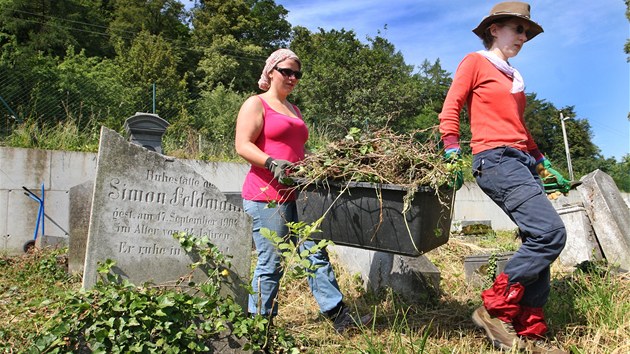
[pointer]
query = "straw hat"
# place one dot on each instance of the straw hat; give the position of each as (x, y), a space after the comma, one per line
(509, 9)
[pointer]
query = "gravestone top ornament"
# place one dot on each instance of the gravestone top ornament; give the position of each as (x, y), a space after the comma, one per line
(140, 199)
(146, 130)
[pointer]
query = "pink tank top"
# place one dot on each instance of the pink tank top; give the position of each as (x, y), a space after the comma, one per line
(282, 137)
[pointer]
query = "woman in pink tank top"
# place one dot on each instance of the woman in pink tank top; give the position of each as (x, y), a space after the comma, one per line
(270, 135)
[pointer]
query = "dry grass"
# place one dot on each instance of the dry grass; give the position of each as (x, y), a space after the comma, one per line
(588, 311)
(31, 287)
(584, 315)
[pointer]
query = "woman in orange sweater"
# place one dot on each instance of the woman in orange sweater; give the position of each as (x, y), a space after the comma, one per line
(505, 157)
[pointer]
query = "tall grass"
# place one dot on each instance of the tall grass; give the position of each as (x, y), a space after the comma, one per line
(592, 303)
(181, 142)
(31, 287)
(588, 310)
(64, 135)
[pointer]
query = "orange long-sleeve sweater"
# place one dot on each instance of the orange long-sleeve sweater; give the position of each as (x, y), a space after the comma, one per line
(496, 114)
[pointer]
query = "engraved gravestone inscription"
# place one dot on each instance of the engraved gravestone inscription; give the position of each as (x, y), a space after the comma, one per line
(140, 199)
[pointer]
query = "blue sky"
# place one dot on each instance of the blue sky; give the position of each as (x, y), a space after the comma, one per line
(578, 60)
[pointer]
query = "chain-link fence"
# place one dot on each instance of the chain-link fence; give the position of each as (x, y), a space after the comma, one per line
(49, 98)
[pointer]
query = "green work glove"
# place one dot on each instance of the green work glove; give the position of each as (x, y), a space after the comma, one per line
(552, 179)
(453, 157)
(278, 169)
(543, 167)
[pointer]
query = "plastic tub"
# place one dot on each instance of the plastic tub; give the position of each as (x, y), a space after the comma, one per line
(370, 216)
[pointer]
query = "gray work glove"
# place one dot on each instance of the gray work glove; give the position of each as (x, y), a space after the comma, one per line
(278, 169)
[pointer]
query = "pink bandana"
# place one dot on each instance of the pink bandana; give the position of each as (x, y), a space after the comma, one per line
(273, 60)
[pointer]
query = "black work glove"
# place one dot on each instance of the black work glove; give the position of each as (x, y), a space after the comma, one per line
(278, 169)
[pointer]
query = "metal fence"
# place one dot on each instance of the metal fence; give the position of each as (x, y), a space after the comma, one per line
(44, 98)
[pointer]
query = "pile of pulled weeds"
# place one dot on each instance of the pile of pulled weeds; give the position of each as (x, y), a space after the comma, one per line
(409, 160)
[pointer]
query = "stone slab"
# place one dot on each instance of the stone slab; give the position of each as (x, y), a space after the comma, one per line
(234, 198)
(227, 176)
(477, 267)
(50, 241)
(465, 223)
(581, 242)
(79, 209)
(56, 208)
(574, 197)
(4, 210)
(140, 199)
(609, 216)
(474, 227)
(407, 276)
(411, 275)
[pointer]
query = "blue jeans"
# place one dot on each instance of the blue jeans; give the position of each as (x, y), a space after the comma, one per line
(508, 176)
(269, 270)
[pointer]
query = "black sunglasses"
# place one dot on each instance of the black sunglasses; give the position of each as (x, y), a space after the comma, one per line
(286, 72)
(518, 29)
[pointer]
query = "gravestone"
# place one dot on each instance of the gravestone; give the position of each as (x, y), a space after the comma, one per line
(581, 244)
(475, 227)
(481, 268)
(141, 198)
(407, 276)
(80, 205)
(609, 216)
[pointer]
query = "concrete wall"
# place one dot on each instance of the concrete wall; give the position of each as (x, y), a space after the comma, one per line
(58, 171)
(472, 204)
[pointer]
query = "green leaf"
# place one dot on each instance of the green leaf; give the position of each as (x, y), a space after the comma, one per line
(165, 301)
(136, 348)
(305, 263)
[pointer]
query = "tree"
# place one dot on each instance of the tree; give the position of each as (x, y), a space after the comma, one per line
(543, 121)
(157, 17)
(52, 26)
(233, 39)
(91, 90)
(627, 46)
(227, 62)
(152, 60)
(26, 79)
(621, 173)
(271, 29)
(351, 84)
(434, 83)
